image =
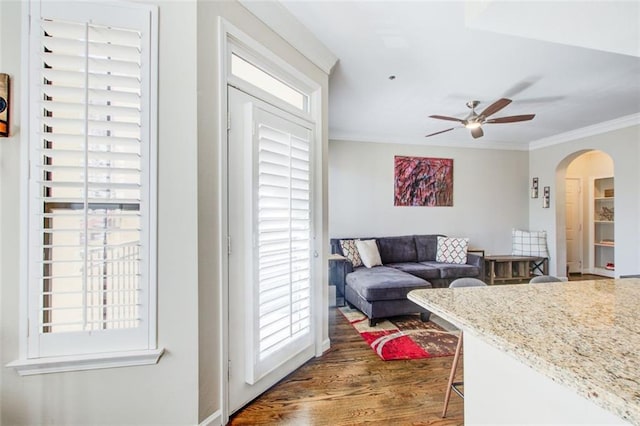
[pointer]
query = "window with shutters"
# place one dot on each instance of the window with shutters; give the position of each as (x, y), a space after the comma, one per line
(91, 250)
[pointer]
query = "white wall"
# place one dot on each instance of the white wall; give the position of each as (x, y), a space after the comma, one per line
(491, 189)
(550, 164)
(9, 147)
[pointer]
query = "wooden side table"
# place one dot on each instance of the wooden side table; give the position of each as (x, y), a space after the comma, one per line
(337, 275)
(502, 268)
(478, 251)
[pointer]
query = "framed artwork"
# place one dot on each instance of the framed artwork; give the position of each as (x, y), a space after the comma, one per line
(423, 181)
(534, 188)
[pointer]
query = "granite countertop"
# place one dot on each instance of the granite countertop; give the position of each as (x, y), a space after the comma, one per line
(582, 334)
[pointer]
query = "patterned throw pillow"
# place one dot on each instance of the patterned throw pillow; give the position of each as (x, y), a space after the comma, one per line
(452, 250)
(350, 251)
(369, 253)
(529, 243)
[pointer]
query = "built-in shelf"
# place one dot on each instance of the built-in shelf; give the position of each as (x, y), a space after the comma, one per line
(602, 228)
(605, 272)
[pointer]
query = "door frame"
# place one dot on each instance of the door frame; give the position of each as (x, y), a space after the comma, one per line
(229, 36)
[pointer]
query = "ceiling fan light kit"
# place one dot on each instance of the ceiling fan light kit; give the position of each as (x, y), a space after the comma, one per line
(474, 121)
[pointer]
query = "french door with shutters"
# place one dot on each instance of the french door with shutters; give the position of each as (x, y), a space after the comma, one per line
(270, 231)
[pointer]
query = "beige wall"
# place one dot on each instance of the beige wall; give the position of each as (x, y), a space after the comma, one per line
(550, 165)
(164, 393)
(490, 194)
(209, 156)
(184, 388)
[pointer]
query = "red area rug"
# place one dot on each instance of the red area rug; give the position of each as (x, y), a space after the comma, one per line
(403, 337)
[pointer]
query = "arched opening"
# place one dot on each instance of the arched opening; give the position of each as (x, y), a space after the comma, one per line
(585, 214)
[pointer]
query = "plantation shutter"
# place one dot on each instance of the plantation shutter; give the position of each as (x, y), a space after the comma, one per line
(282, 194)
(91, 205)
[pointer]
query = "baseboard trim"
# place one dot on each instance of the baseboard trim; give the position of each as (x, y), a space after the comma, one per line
(326, 345)
(213, 420)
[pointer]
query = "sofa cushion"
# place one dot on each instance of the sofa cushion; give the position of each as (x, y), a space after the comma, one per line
(383, 283)
(529, 243)
(426, 246)
(418, 269)
(350, 251)
(368, 250)
(452, 250)
(397, 249)
(454, 270)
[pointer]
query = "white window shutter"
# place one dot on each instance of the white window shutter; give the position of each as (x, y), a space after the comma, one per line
(92, 179)
(282, 226)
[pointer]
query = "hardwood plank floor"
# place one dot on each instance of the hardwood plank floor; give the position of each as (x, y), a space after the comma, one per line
(586, 277)
(350, 385)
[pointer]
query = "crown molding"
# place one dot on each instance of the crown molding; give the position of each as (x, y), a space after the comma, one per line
(282, 22)
(592, 130)
(451, 143)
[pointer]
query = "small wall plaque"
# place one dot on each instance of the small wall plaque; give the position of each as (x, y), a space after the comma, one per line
(4, 105)
(534, 187)
(546, 197)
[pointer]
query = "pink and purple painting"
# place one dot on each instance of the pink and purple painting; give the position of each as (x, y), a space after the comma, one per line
(423, 181)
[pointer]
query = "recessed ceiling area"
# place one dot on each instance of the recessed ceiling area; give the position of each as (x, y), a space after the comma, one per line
(572, 64)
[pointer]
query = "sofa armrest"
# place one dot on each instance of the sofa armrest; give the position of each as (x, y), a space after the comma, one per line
(475, 260)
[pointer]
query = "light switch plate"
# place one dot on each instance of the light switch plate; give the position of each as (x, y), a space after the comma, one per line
(4, 105)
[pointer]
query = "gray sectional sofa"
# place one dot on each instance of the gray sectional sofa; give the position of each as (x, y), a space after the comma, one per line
(408, 263)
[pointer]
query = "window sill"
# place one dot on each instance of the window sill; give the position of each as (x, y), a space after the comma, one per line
(30, 367)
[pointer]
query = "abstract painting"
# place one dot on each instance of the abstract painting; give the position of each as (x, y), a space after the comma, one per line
(423, 181)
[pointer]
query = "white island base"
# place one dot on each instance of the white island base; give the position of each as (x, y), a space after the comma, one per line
(499, 389)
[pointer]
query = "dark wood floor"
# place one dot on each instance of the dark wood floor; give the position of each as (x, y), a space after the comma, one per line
(350, 385)
(586, 277)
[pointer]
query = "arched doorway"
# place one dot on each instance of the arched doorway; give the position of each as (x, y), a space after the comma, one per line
(585, 213)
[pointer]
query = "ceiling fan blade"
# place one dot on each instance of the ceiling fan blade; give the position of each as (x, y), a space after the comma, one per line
(511, 119)
(437, 133)
(495, 107)
(444, 117)
(477, 132)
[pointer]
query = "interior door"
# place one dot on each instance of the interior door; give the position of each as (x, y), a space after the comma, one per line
(270, 275)
(574, 224)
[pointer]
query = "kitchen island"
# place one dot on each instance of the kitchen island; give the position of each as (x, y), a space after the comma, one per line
(547, 353)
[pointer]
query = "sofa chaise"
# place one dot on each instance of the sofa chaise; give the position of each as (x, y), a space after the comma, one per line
(408, 263)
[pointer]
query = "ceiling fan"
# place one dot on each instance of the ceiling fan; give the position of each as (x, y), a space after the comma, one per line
(474, 121)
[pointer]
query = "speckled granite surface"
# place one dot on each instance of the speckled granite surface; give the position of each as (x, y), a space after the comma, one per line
(583, 334)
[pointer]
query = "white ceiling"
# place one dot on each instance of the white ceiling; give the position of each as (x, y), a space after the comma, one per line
(573, 64)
